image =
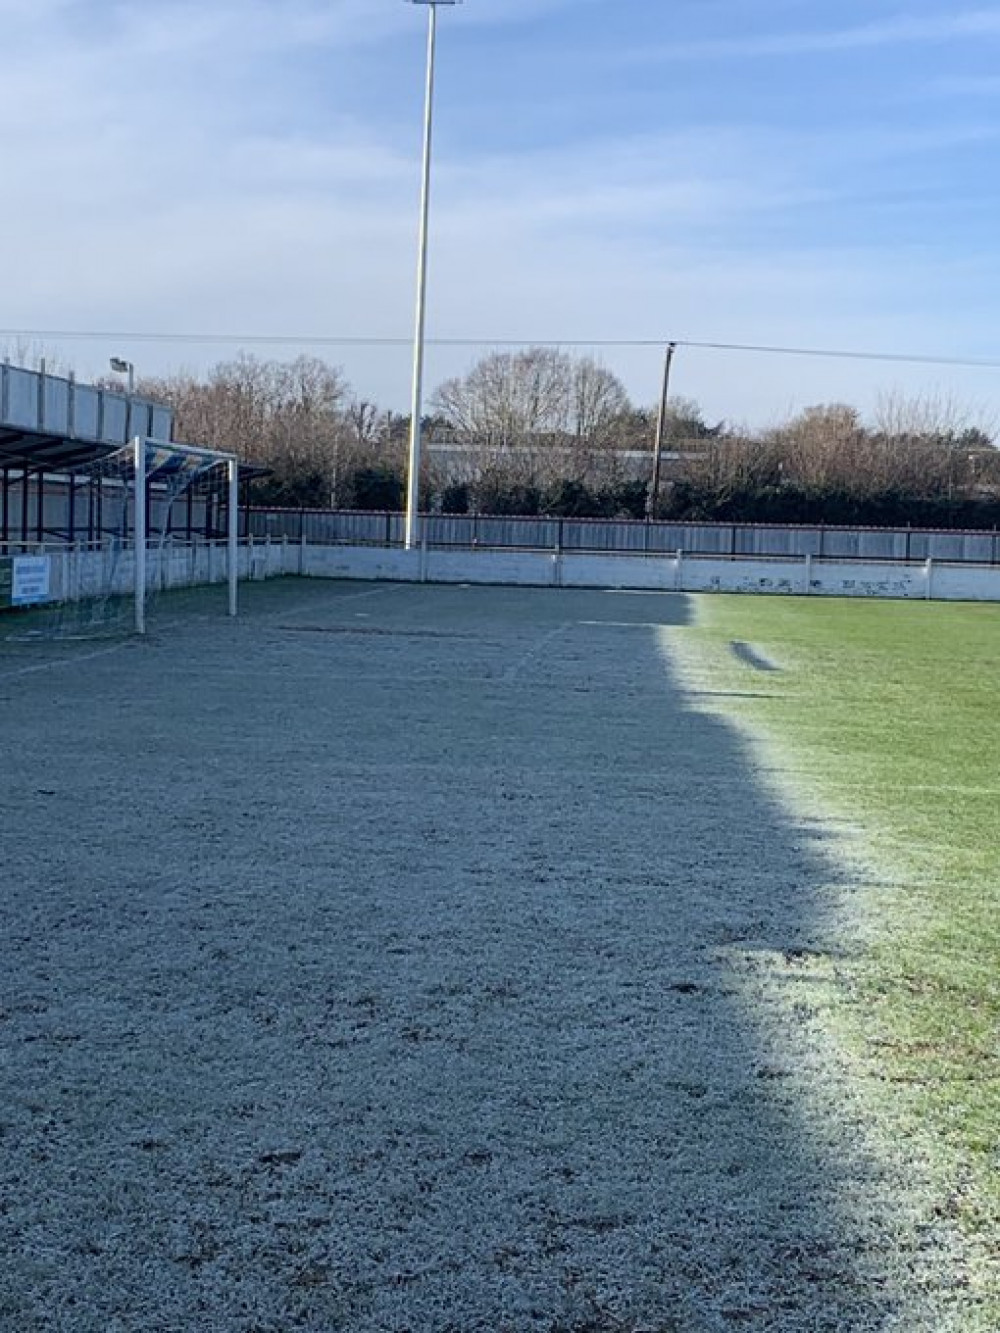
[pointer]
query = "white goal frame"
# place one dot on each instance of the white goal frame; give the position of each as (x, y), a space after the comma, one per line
(140, 444)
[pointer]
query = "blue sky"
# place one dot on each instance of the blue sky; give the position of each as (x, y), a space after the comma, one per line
(781, 172)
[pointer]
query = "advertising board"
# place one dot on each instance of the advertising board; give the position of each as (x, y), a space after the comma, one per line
(24, 580)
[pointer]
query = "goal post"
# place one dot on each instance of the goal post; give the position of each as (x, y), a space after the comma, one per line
(154, 459)
(139, 546)
(141, 535)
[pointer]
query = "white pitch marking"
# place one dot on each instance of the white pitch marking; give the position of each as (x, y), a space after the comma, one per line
(515, 668)
(626, 624)
(65, 661)
(312, 610)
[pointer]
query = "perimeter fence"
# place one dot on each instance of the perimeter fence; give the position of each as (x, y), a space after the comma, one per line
(629, 536)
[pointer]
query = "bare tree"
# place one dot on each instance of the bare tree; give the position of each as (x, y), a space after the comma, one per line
(509, 398)
(530, 421)
(29, 354)
(901, 416)
(934, 444)
(290, 417)
(824, 446)
(598, 402)
(367, 422)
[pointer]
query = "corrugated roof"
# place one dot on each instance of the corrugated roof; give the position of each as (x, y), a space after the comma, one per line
(30, 451)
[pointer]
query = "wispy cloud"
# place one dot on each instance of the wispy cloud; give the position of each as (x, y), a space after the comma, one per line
(687, 183)
(222, 28)
(253, 165)
(961, 25)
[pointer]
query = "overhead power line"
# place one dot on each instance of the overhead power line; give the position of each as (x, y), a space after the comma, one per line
(325, 340)
(844, 354)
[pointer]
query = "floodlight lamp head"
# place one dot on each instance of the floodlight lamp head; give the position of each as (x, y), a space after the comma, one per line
(120, 365)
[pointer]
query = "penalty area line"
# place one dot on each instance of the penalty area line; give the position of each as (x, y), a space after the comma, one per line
(65, 661)
(335, 600)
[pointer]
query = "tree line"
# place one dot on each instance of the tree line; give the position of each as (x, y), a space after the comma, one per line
(539, 431)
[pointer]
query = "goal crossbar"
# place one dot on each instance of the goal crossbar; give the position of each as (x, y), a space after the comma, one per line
(157, 453)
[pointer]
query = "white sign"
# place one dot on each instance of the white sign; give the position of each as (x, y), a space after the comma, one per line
(30, 581)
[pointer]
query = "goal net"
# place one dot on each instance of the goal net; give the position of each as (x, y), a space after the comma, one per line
(167, 518)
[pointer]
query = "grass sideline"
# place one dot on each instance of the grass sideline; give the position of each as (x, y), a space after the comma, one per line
(886, 714)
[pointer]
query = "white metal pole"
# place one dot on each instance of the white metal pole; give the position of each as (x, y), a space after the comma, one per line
(412, 535)
(232, 533)
(140, 535)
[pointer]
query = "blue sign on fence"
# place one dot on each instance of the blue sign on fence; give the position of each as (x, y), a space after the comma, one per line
(29, 579)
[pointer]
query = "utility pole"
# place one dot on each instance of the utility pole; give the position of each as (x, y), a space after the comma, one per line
(412, 535)
(652, 499)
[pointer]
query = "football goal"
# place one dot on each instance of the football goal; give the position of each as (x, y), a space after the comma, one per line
(176, 469)
(161, 516)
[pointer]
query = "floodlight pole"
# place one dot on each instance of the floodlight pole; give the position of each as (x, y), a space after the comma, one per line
(123, 367)
(412, 534)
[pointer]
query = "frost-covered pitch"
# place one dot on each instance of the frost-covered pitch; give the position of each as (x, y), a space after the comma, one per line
(421, 959)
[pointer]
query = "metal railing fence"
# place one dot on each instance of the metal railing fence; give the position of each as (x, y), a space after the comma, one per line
(630, 536)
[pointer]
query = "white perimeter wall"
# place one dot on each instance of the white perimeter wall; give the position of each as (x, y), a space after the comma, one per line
(676, 573)
(78, 574)
(85, 573)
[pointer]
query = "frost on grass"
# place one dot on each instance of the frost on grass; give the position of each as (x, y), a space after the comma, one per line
(453, 982)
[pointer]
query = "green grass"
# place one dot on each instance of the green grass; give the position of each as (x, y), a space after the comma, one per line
(887, 714)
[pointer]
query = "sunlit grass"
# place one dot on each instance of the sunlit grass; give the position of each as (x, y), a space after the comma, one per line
(888, 715)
